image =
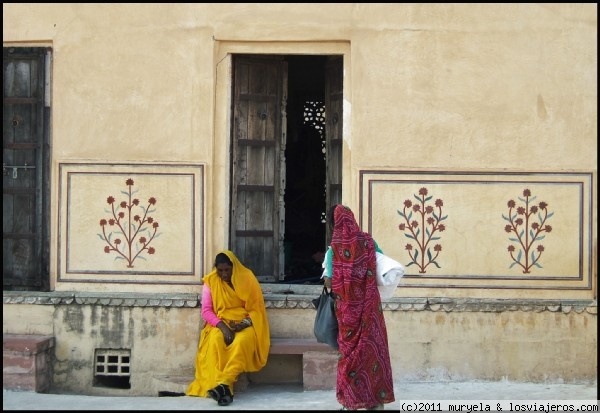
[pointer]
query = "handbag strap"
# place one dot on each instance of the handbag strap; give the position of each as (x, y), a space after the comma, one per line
(327, 292)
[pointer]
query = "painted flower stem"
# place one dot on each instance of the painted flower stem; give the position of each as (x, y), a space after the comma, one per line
(422, 230)
(527, 231)
(129, 229)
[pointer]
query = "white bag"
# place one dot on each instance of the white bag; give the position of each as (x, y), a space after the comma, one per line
(389, 273)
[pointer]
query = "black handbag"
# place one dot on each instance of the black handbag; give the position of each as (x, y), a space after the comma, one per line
(326, 325)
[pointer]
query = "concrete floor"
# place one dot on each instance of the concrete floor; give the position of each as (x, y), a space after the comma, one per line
(292, 397)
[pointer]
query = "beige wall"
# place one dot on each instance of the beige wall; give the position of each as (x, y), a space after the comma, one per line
(427, 87)
(430, 340)
(160, 340)
(443, 88)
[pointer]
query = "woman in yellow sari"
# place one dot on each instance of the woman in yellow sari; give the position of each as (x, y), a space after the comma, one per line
(235, 337)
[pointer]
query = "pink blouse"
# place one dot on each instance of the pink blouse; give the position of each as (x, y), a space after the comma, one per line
(208, 313)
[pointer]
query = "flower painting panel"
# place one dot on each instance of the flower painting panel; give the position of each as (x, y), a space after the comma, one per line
(509, 233)
(130, 223)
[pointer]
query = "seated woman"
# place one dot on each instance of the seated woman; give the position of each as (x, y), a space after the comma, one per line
(235, 337)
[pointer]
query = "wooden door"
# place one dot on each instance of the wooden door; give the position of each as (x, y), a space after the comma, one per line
(25, 168)
(334, 99)
(258, 171)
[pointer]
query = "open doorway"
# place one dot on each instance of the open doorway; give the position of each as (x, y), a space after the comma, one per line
(286, 162)
(305, 203)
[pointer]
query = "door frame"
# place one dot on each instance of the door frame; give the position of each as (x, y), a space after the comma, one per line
(218, 195)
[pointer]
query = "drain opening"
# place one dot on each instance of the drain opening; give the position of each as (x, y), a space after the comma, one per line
(112, 368)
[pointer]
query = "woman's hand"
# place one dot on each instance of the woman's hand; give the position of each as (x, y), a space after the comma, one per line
(327, 282)
(228, 334)
(236, 327)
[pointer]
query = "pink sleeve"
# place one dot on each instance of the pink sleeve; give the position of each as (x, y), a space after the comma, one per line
(208, 313)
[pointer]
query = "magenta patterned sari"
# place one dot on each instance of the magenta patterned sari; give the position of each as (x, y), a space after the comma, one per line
(364, 375)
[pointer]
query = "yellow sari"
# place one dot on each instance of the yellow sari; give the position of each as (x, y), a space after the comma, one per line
(217, 363)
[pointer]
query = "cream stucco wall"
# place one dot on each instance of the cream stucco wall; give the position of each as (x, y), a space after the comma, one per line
(427, 87)
(430, 340)
(488, 87)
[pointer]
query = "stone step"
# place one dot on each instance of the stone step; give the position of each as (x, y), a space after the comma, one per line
(26, 362)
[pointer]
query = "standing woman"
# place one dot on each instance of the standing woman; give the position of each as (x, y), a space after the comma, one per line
(235, 337)
(364, 373)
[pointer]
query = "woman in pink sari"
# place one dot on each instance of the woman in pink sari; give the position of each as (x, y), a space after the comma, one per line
(364, 373)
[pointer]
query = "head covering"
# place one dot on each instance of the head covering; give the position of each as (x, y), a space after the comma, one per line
(353, 252)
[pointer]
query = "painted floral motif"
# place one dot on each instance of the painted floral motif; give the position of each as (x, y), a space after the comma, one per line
(126, 233)
(422, 229)
(527, 231)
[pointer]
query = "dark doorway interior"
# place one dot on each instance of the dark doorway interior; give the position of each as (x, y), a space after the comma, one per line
(305, 169)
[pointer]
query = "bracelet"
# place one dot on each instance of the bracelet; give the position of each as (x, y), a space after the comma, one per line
(247, 322)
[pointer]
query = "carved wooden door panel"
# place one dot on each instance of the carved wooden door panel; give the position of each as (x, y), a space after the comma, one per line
(24, 166)
(258, 172)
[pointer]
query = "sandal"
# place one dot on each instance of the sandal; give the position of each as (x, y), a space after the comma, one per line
(214, 394)
(226, 396)
(217, 393)
(221, 394)
(225, 400)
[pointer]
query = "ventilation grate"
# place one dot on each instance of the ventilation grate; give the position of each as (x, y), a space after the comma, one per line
(112, 362)
(112, 368)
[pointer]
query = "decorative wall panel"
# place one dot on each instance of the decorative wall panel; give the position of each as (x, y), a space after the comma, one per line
(531, 233)
(130, 223)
